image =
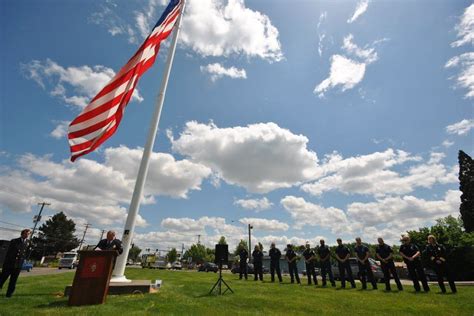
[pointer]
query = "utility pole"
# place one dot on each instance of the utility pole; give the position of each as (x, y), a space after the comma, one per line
(102, 234)
(37, 218)
(199, 239)
(84, 236)
(250, 237)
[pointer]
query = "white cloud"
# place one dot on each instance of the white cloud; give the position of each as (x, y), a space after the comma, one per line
(265, 224)
(307, 213)
(259, 157)
(217, 71)
(321, 34)
(447, 143)
(73, 85)
(465, 28)
(373, 175)
(367, 55)
(60, 130)
(254, 204)
(465, 61)
(362, 6)
(344, 72)
(460, 128)
(408, 208)
(224, 28)
(465, 77)
(145, 20)
(94, 191)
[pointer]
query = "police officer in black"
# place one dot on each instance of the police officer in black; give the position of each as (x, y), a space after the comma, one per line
(411, 255)
(16, 254)
(342, 255)
(275, 256)
(365, 271)
(257, 255)
(310, 258)
(243, 254)
(291, 258)
(325, 262)
(437, 255)
(385, 254)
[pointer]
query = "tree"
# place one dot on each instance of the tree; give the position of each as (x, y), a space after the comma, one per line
(222, 241)
(242, 244)
(199, 253)
(56, 235)
(172, 255)
(466, 185)
(134, 253)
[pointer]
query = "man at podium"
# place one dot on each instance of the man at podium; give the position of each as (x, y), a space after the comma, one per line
(110, 243)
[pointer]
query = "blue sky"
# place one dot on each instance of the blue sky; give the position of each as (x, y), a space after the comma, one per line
(316, 119)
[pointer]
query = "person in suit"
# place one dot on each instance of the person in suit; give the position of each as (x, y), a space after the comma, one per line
(257, 255)
(437, 254)
(16, 254)
(243, 255)
(275, 256)
(110, 243)
(291, 258)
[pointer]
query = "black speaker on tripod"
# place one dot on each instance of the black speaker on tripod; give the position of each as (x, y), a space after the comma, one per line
(221, 258)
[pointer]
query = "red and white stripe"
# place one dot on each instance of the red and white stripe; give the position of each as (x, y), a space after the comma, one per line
(101, 117)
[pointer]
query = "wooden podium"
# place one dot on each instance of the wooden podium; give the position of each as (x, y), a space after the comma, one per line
(91, 281)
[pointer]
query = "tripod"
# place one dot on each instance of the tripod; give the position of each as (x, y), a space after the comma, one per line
(218, 285)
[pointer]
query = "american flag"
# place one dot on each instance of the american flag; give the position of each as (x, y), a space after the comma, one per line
(101, 117)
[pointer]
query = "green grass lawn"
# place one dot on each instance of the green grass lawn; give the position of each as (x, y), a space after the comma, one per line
(185, 293)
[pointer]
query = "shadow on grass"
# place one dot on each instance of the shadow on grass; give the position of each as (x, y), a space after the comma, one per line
(62, 303)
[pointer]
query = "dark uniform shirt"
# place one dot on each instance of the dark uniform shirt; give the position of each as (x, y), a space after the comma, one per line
(342, 251)
(290, 254)
(257, 256)
(409, 251)
(308, 253)
(436, 251)
(243, 254)
(361, 251)
(275, 254)
(323, 251)
(16, 253)
(384, 251)
(114, 244)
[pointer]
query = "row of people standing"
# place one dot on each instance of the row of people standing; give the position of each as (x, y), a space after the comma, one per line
(384, 253)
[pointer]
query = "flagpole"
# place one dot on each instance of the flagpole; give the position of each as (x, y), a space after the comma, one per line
(119, 270)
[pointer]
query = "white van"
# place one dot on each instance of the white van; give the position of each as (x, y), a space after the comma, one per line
(69, 260)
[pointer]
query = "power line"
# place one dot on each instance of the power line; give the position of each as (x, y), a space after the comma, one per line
(11, 224)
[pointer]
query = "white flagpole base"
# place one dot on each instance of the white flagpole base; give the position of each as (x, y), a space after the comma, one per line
(120, 279)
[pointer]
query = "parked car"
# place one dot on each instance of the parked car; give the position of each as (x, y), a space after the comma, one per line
(27, 266)
(376, 270)
(208, 266)
(236, 268)
(176, 265)
(315, 270)
(160, 264)
(69, 260)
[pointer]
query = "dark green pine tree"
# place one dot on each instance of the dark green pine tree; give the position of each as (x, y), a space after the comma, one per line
(466, 185)
(56, 235)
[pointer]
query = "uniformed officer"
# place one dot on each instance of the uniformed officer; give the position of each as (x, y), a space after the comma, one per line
(437, 255)
(110, 243)
(385, 254)
(243, 254)
(411, 255)
(257, 255)
(365, 271)
(325, 261)
(16, 254)
(342, 255)
(291, 258)
(310, 258)
(275, 256)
